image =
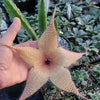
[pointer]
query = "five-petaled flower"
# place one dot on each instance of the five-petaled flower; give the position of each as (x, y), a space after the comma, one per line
(49, 62)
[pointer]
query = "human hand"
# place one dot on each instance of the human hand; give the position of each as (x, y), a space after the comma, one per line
(12, 68)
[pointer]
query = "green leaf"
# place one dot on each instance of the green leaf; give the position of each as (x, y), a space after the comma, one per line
(80, 21)
(96, 37)
(84, 82)
(79, 40)
(54, 89)
(88, 19)
(1, 22)
(76, 10)
(95, 12)
(88, 1)
(82, 33)
(85, 20)
(75, 30)
(80, 76)
(85, 58)
(95, 96)
(97, 28)
(89, 28)
(42, 16)
(97, 70)
(15, 12)
(56, 25)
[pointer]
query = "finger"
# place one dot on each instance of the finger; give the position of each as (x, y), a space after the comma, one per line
(12, 31)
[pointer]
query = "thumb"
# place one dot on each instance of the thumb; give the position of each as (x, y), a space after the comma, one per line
(12, 31)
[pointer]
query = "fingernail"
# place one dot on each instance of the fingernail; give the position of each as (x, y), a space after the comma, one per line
(14, 19)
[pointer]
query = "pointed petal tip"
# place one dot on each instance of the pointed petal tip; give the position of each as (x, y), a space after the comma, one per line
(48, 39)
(54, 11)
(36, 79)
(83, 97)
(52, 21)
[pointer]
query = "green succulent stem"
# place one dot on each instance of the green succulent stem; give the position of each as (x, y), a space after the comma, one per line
(42, 17)
(14, 11)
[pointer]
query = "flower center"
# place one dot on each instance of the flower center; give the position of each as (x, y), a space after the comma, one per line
(47, 62)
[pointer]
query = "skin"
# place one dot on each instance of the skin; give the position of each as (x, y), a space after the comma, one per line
(12, 68)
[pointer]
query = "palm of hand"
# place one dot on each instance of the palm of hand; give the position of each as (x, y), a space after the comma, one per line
(12, 68)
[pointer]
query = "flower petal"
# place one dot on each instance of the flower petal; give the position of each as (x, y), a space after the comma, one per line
(31, 56)
(33, 44)
(68, 57)
(48, 40)
(62, 79)
(35, 81)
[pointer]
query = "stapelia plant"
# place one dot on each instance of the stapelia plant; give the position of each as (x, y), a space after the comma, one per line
(49, 62)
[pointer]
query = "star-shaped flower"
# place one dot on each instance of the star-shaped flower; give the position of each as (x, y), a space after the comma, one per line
(48, 63)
